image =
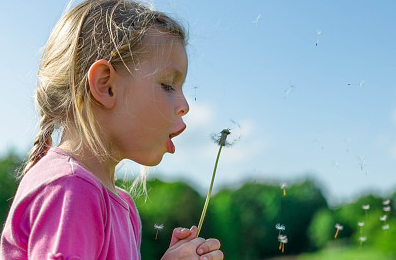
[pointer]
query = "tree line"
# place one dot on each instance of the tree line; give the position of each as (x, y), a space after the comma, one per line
(247, 220)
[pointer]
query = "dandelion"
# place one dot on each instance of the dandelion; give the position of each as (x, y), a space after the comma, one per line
(383, 218)
(366, 208)
(221, 142)
(283, 187)
(158, 228)
(318, 33)
(386, 209)
(362, 239)
(386, 202)
(338, 229)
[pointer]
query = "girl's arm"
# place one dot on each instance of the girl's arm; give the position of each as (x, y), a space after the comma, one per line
(185, 245)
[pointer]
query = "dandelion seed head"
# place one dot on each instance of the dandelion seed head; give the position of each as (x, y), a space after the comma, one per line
(319, 32)
(360, 224)
(385, 227)
(283, 186)
(386, 202)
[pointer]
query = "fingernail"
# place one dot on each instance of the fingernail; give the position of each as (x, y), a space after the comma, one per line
(191, 228)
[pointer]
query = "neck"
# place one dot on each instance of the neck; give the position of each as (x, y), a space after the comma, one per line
(102, 169)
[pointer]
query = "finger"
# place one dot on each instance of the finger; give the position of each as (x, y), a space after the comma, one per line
(208, 246)
(179, 234)
(194, 242)
(215, 255)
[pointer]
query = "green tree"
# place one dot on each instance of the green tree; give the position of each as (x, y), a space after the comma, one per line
(171, 205)
(8, 182)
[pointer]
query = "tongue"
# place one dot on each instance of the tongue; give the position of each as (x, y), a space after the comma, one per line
(170, 146)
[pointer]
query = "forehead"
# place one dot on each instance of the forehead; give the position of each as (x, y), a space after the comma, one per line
(167, 51)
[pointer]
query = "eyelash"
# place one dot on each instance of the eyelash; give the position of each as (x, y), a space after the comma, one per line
(167, 88)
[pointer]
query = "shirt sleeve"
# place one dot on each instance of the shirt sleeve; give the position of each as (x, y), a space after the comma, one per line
(67, 220)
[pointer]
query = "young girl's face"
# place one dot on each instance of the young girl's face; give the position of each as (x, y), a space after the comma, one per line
(151, 103)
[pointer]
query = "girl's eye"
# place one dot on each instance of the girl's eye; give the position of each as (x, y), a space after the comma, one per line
(167, 87)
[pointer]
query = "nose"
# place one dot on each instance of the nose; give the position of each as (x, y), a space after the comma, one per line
(182, 107)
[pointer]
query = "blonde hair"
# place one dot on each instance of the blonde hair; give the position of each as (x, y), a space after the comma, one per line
(92, 30)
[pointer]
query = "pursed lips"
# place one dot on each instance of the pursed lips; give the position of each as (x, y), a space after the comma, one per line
(178, 132)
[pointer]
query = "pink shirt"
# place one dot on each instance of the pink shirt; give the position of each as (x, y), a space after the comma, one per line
(62, 212)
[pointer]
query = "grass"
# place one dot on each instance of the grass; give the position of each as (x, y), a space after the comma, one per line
(347, 253)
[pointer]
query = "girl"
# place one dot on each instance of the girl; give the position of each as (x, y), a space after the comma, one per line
(110, 79)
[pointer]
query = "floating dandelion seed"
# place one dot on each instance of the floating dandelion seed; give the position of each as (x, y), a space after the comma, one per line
(280, 227)
(288, 91)
(362, 239)
(319, 143)
(360, 84)
(338, 229)
(361, 224)
(362, 164)
(283, 187)
(347, 141)
(282, 241)
(386, 209)
(257, 20)
(337, 165)
(366, 208)
(318, 33)
(383, 218)
(222, 141)
(195, 92)
(158, 228)
(386, 202)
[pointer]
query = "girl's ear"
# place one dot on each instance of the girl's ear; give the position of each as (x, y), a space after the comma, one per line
(101, 77)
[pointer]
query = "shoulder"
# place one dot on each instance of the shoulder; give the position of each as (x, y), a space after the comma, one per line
(58, 175)
(57, 167)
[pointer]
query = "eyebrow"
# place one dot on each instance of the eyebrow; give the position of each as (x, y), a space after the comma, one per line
(173, 71)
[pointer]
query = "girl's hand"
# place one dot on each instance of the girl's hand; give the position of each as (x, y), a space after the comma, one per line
(185, 245)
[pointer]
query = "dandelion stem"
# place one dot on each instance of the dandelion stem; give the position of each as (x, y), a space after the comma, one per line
(210, 191)
(336, 233)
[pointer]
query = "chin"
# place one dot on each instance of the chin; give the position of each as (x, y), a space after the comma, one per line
(150, 161)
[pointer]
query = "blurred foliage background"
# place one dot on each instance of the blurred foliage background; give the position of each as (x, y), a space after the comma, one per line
(244, 219)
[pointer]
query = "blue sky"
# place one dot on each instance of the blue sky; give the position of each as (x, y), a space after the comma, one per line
(256, 63)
